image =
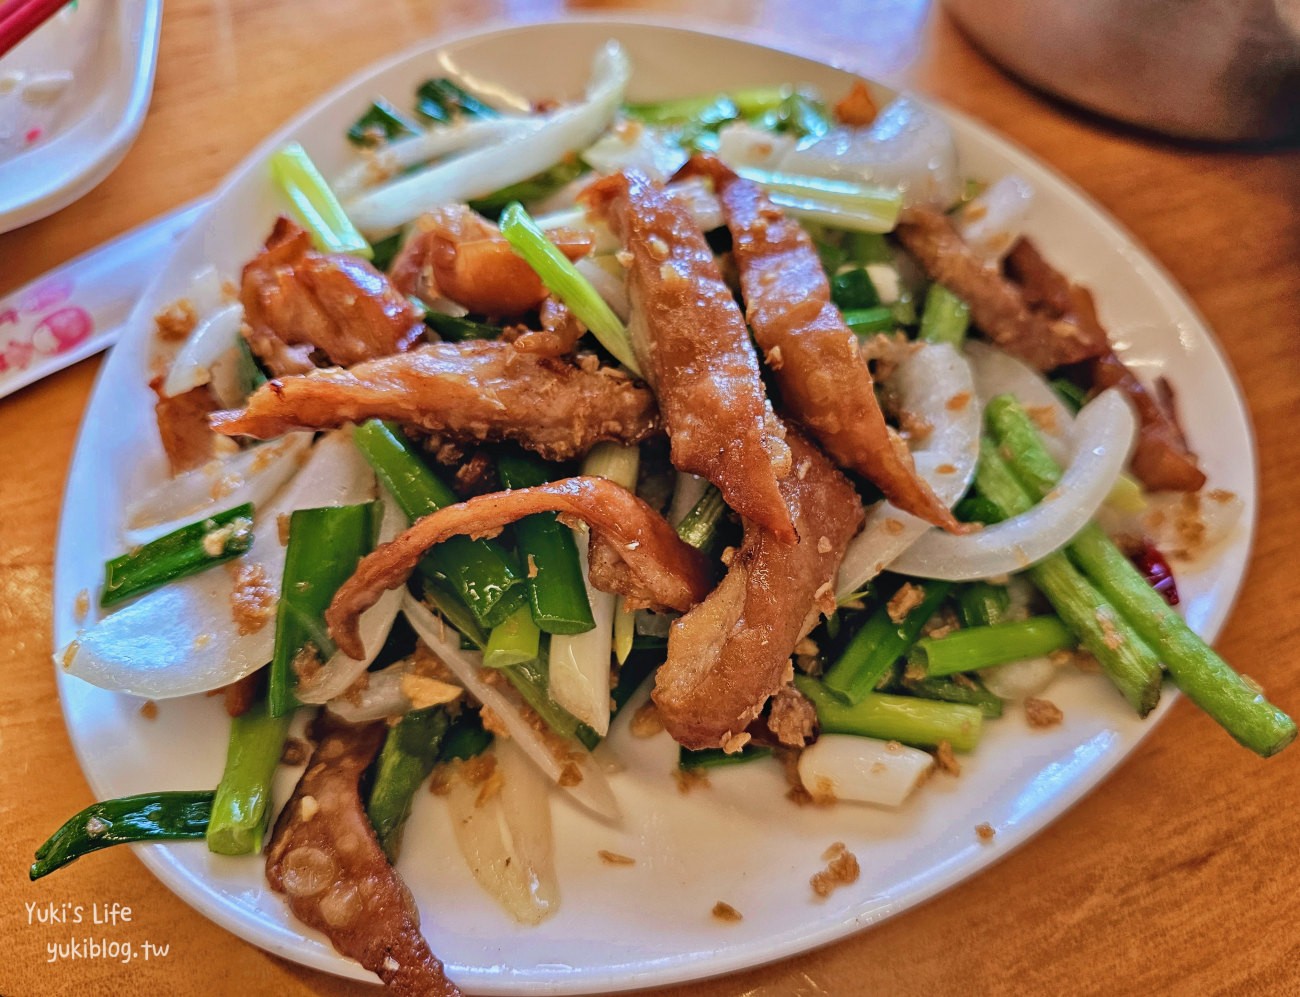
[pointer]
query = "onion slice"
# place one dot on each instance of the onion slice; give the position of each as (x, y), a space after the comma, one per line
(1104, 434)
(182, 638)
(506, 837)
(252, 475)
(337, 675)
(383, 696)
(390, 159)
(926, 382)
(998, 373)
(213, 335)
(592, 791)
(862, 769)
(488, 168)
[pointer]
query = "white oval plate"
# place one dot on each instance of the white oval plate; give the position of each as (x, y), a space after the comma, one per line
(740, 841)
(111, 93)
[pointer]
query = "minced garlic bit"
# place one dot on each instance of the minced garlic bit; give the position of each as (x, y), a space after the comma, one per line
(725, 912)
(149, 709)
(946, 760)
(177, 320)
(958, 401)
(894, 526)
(296, 751)
(775, 359)
(1110, 636)
(614, 858)
(734, 743)
(96, 826)
(688, 779)
(1044, 417)
(904, 601)
(216, 540)
(1042, 712)
(308, 807)
(985, 832)
(841, 869)
(532, 567)
(807, 646)
(824, 545)
(646, 721)
(81, 605)
(424, 692)
(824, 598)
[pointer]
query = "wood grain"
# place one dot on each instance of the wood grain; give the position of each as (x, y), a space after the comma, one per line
(1176, 876)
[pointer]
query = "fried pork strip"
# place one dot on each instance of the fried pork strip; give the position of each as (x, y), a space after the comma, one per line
(825, 383)
(183, 426)
(1161, 459)
(324, 857)
(338, 304)
(633, 550)
(455, 252)
(1044, 337)
(691, 341)
(473, 391)
(731, 653)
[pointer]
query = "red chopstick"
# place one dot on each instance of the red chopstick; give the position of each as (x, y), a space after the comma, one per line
(19, 18)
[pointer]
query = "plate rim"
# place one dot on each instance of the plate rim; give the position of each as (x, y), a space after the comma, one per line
(196, 893)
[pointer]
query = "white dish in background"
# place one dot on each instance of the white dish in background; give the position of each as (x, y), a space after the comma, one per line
(110, 48)
(741, 841)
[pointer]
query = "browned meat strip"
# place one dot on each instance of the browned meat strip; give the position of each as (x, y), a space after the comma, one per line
(187, 439)
(641, 556)
(825, 382)
(338, 304)
(728, 655)
(1040, 333)
(473, 391)
(457, 253)
(1162, 459)
(325, 859)
(696, 353)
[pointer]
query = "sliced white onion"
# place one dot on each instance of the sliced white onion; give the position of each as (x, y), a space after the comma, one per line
(382, 697)
(506, 837)
(1018, 680)
(592, 792)
(252, 475)
(908, 146)
(337, 675)
(636, 146)
(606, 275)
(182, 639)
(227, 381)
(862, 769)
(991, 223)
(926, 382)
(688, 492)
(1104, 433)
(998, 373)
(395, 157)
(579, 663)
(205, 293)
(743, 144)
(492, 167)
(887, 282)
(213, 335)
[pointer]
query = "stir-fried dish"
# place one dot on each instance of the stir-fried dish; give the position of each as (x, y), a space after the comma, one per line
(746, 410)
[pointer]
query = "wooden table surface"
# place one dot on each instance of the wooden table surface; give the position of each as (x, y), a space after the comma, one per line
(1178, 875)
